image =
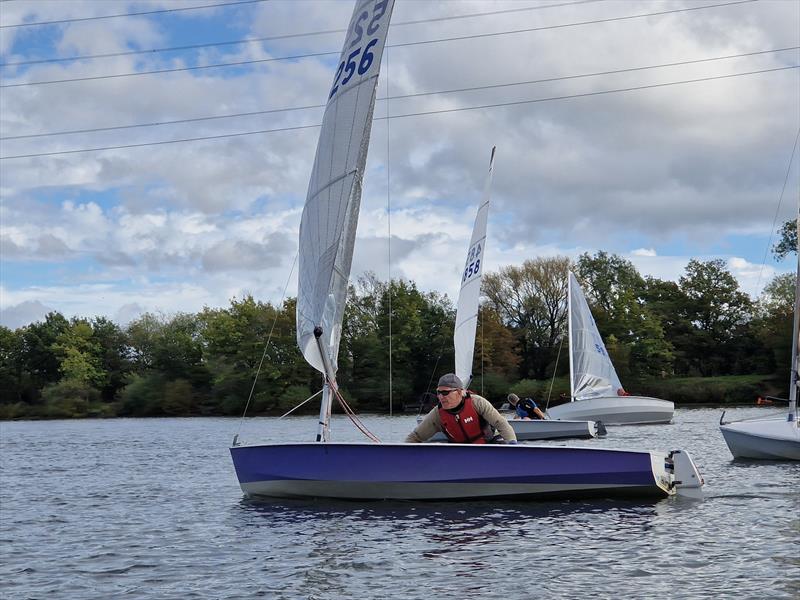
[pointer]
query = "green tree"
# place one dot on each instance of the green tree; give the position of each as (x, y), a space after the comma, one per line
(251, 347)
(421, 326)
(39, 360)
(11, 371)
(165, 350)
(718, 310)
(616, 292)
(113, 356)
(78, 354)
(496, 348)
(787, 244)
(775, 313)
(531, 301)
(667, 301)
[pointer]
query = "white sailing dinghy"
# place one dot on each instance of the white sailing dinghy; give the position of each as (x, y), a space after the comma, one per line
(467, 323)
(405, 471)
(776, 437)
(596, 391)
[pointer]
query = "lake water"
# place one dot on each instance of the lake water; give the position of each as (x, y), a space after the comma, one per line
(151, 509)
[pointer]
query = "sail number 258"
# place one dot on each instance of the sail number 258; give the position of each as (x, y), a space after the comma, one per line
(473, 266)
(353, 63)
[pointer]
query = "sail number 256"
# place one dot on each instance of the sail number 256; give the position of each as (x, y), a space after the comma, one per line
(353, 63)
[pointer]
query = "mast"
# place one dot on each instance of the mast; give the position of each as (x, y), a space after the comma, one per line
(569, 334)
(795, 333)
(329, 385)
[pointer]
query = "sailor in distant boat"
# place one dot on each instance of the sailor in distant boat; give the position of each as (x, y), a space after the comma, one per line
(525, 408)
(464, 417)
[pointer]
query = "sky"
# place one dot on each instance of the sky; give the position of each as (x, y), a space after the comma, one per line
(639, 128)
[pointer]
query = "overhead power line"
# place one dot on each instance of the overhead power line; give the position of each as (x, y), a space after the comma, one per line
(291, 35)
(405, 115)
(399, 45)
(133, 14)
(399, 97)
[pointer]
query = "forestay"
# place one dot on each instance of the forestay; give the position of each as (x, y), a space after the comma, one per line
(469, 296)
(330, 216)
(591, 370)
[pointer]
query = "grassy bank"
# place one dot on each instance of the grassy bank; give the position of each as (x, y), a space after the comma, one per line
(732, 389)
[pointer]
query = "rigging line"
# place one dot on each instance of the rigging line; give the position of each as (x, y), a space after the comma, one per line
(401, 45)
(483, 353)
(286, 36)
(555, 368)
(587, 94)
(401, 116)
(438, 358)
(777, 209)
(134, 14)
(299, 405)
(354, 418)
(263, 356)
(389, 226)
(575, 24)
(402, 96)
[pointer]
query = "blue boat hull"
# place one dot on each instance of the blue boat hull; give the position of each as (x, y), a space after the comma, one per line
(446, 471)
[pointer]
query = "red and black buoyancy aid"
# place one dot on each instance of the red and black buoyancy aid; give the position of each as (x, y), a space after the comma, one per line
(465, 426)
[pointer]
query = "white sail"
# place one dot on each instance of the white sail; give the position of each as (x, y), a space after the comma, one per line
(469, 296)
(592, 373)
(330, 216)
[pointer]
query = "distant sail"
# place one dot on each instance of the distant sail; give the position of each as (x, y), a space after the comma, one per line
(469, 296)
(592, 372)
(330, 216)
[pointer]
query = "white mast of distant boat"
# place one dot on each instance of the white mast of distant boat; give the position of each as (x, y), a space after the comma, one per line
(795, 330)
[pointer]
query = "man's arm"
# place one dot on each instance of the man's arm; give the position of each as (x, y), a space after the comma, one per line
(494, 418)
(427, 429)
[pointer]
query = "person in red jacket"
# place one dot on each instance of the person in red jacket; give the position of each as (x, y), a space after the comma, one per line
(464, 417)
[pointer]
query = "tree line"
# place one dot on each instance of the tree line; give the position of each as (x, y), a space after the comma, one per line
(206, 363)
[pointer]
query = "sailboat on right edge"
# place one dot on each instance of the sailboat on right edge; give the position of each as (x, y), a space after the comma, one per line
(595, 389)
(776, 437)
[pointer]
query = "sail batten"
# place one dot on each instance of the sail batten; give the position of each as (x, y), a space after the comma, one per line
(330, 216)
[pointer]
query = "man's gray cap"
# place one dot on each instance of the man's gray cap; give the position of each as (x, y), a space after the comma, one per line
(450, 380)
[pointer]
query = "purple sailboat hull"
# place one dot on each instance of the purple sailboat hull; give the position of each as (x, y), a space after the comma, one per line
(447, 471)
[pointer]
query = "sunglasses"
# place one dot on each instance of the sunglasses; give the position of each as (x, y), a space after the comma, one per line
(444, 392)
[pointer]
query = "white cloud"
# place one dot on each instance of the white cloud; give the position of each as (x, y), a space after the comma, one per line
(23, 313)
(644, 252)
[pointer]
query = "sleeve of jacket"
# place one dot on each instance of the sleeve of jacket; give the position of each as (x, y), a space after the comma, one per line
(494, 418)
(427, 429)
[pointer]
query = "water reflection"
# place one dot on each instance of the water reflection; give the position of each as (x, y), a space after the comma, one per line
(455, 515)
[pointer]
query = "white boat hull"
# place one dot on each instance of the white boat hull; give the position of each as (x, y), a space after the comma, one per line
(763, 439)
(527, 430)
(616, 410)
